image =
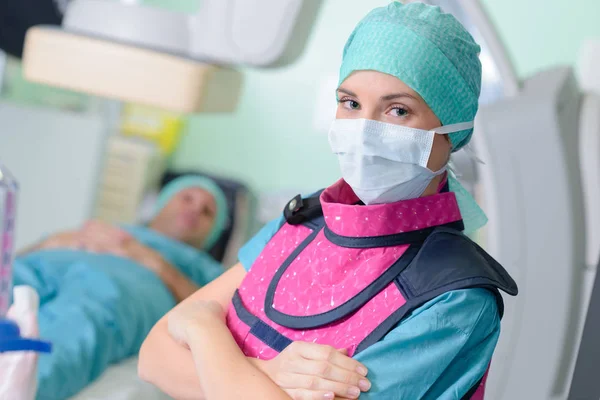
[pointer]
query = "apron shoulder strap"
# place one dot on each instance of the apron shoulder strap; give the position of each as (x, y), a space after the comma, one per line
(300, 210)
(449, 260)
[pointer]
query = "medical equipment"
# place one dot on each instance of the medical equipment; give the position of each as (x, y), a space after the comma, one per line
(8, 199)
(19, 368)
(157, 126)
(10, 336)
(586, 384)
(588, 67)
(164, 59)
(58, 158)
(132, 169)
(589, 146)
(533, 183)
(16, 16)
(2, 68)
(539, 230)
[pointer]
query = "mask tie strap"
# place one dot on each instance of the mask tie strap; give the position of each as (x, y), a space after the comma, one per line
(446, 129)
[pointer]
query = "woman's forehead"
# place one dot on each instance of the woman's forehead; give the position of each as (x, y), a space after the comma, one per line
(377, 83)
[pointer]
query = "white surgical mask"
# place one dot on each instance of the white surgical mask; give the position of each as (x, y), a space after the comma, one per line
(385, 163)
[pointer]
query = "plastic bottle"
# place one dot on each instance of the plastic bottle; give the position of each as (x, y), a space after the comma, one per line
(18, 324)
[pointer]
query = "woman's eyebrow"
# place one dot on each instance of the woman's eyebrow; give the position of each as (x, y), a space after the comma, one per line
(346, 91)
(396, 96)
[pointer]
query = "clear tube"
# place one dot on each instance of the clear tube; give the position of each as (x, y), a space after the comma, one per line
(8, 210)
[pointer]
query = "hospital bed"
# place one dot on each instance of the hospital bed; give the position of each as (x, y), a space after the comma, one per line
(121, 382)
(537, 184)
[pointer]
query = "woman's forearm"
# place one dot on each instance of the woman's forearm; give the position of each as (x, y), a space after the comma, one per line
(169, 366)
(223, 370)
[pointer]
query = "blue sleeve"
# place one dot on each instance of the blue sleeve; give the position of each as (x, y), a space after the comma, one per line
(439, 352)
(251, 250)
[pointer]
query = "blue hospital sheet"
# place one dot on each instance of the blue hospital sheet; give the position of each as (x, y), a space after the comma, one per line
(97, 309)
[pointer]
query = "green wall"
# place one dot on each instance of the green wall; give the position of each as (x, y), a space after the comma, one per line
(174, 5)
(543, 33)
(270, 141)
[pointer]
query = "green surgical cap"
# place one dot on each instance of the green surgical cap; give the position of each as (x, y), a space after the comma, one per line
(194, 181)
(428, 50)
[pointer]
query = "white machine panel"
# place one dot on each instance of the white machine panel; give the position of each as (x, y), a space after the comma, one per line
(56, 158)
(539, 231)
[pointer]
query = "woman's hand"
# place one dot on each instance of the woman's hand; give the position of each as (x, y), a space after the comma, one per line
(191, 317)
(309, 371)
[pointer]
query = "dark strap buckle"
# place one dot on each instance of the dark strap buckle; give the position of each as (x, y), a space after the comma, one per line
(291, 210)
(299, 210)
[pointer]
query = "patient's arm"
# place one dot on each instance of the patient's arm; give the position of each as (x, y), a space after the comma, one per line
(68, 239)
(94, 236)
(30, 249)
(168, 365)
(71, 240)
(180, 286)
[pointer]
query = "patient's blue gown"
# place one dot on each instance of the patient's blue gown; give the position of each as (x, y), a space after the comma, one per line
(97, 309)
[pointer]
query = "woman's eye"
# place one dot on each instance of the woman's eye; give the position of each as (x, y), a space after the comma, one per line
(399, 112)
(351, 105)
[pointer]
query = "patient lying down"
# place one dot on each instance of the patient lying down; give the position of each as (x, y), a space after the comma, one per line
(103, 287)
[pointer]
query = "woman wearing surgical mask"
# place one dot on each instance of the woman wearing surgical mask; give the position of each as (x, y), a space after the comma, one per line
(369, 288)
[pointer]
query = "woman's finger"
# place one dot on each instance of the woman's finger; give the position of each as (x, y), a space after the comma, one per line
(303, 394)
(319, 352)
(340, 378)
(318, 384)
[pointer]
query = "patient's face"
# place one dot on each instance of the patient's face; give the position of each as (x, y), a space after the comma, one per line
(188, 217)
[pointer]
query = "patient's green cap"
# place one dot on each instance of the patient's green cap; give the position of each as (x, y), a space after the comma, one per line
(428, 50)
